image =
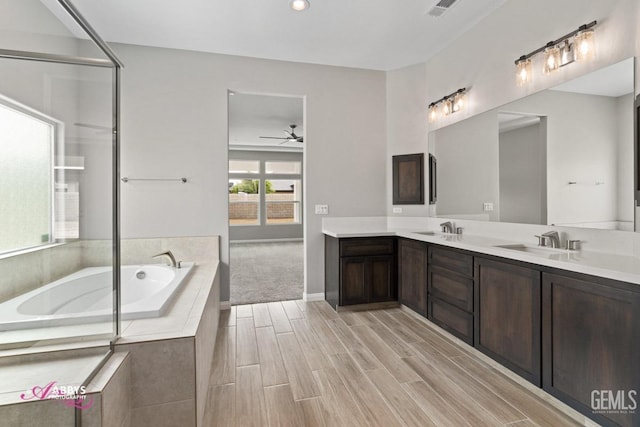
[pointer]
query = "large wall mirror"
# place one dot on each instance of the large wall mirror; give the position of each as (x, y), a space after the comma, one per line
(563, 156)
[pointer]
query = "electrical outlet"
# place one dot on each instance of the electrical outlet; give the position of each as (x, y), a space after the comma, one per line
(322, 209)
(488, 207)
(397, 210)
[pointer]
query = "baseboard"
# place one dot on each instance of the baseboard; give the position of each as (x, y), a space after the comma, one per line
(293, 239)
(313, 297)
(225, 305)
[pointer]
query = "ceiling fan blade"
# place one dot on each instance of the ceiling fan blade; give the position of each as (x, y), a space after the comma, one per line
(272, 137)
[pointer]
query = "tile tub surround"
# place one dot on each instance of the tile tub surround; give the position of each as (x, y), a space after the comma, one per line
(111, 391)
(68, 367)
(31, 269)
(171, 355)
(604, 253)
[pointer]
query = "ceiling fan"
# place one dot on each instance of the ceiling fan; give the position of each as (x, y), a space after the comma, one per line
(291, 136)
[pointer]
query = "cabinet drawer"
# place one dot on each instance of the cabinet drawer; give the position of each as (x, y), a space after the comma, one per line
(367, 246)
(454, 289)
(452, 319)
(452, 260)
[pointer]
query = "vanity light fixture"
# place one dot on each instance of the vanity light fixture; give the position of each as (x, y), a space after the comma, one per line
(299, 5)
(578, 45)
(446, 105)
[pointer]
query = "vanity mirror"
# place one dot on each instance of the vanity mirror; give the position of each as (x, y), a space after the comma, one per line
(562, 156)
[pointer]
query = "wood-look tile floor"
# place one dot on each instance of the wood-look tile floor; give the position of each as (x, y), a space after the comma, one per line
(296, 363)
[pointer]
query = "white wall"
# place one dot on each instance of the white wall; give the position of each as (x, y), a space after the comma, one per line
(483, 61)
(406, 124)
(174, 110)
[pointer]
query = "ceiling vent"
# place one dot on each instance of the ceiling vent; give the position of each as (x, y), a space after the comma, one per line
(439, 9)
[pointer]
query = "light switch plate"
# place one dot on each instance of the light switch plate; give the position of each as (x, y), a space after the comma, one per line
(397, 210)
(322, 209)
(488, 206)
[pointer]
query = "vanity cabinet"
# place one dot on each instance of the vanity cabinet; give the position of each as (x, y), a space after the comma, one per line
(592, 346)
(360, 270)
(450, 291)
(508, 316)
(412, 274)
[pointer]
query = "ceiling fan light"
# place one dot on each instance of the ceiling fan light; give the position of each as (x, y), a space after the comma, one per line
(299, 5)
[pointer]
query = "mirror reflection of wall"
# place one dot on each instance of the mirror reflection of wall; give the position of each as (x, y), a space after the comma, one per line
(562, 156)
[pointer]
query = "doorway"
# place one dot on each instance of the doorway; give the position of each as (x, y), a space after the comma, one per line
(266, 181)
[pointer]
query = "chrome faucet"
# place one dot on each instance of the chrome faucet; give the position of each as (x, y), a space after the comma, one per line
(172, 259)
(447, 227)
(551, 236)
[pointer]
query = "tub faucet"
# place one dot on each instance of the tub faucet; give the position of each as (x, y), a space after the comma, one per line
(447, 227)
(172, 259)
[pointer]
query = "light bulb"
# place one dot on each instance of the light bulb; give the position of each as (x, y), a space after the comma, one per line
(299, 5)
(585, 45)
(446, 107)
(458, 102)
(523, 71)
(433, 113)
(551, 59)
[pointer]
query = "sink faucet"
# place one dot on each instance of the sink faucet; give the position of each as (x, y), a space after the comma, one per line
(447, 227)
(172, 259)
(553, 237)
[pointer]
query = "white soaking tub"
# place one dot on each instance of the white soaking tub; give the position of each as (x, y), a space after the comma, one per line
(87, 296)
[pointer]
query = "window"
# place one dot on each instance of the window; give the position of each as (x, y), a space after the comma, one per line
(283, 168)
(265, 192)
(244, 201)
(26, 187)
(244, 166)
(283, 201)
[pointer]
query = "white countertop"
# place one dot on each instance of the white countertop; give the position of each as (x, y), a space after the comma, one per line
(624, 268)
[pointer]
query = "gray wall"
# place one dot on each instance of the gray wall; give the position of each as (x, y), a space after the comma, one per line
(174, 109)
(523, 190)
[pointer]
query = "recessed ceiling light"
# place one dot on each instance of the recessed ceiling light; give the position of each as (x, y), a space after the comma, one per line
(299, 5)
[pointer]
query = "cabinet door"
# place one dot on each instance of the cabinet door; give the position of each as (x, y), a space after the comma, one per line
(380, 279)
(507, 313)
(592, 347)
(353, 271)
(412, 275)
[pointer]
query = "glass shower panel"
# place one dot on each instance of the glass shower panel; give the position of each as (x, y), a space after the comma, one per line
(44, 26)
(56, 215)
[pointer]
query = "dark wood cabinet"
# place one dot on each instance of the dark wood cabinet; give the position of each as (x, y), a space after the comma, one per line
(592, 347)
(508, 316)
(412, 274)
(450, 291)
(359, 270)
(408, 179)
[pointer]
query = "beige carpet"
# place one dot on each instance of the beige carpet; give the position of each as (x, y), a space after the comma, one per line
(266, 272)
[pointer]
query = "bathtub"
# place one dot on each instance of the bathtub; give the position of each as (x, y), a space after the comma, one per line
(87, 296)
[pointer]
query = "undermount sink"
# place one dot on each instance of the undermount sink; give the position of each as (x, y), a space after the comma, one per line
(538, 250)
(425, 233)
